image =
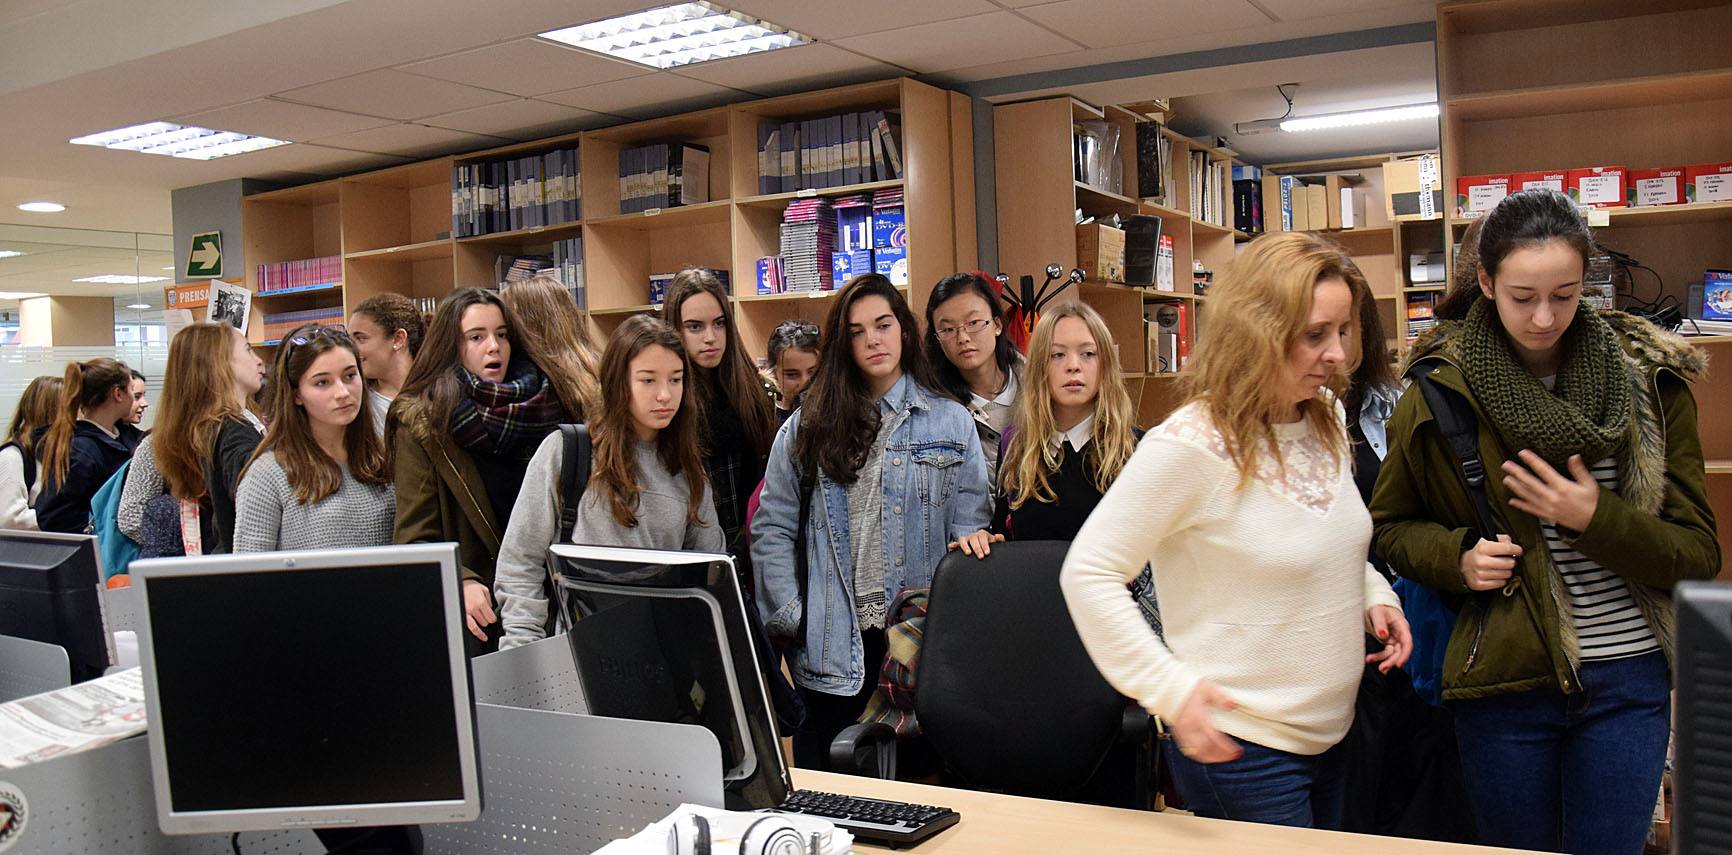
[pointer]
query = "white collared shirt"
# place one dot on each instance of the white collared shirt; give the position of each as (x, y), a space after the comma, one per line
(1077, 436)
(997, 410)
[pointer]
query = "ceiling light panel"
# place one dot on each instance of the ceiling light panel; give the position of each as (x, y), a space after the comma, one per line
(118, 279)
(9, 253)
(193, 143)
(19, 295)
(1361, 117)
(677, 35)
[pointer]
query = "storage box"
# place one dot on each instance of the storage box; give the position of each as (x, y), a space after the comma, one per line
(1599, 187)
(1100, 252)
(1478, 194)
(847, 265)
(1317, 205)
(889, 228)
(1717, 295)
(1555, 181)
(1285, 208)
(1657, 186)
(1351, 210)
(1413, 188)
(770, 275)
(891, 262)
(1708, 182)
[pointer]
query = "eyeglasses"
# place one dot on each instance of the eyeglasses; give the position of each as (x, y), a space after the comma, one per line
(973, 328)
(306, 335)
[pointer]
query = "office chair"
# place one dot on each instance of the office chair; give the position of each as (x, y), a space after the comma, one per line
(1006, 695)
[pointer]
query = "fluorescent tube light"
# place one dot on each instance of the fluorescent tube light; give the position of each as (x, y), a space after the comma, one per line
(137, 306)
(18, 295)
(1361, 117)
(677, 35)
(192, 143)
(42, 207)
(9, 253)
(120, 279)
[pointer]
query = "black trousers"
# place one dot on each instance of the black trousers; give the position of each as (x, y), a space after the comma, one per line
(827, 714)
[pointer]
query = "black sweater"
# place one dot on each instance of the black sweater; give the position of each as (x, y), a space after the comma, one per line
(235, 442)
(64, 505)
(1076, 497)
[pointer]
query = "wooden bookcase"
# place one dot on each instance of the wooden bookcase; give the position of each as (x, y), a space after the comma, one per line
(1557, 84)
(393, 227)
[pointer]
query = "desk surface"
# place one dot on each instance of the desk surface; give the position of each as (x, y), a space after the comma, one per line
(997, 824)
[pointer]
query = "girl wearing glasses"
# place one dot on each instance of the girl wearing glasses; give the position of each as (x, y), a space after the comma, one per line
(319, 479)
(646, 489)
(975, 361)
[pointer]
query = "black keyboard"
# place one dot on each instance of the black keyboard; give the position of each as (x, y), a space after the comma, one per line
(894, 824)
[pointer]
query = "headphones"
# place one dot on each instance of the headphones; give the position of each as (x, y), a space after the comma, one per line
(771, 835)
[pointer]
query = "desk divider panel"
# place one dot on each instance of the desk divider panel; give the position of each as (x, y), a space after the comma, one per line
(33, 667)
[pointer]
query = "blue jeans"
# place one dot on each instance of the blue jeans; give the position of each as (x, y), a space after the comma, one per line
(1570, 773)
(1264, 785)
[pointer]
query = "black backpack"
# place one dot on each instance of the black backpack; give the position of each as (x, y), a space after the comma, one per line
(573, 476)
(1460, 428)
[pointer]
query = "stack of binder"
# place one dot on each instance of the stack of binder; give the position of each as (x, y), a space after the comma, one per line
(531, 191)
(808, 245)
(663, 175)
(829, 151)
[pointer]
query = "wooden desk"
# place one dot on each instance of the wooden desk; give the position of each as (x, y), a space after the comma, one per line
(995, 824)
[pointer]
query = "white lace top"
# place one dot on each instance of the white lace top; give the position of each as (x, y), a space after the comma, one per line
(1263, 588)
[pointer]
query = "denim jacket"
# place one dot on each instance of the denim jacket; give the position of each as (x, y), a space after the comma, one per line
(935, 491)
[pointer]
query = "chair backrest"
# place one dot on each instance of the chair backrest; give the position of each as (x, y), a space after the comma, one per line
(1007, 695)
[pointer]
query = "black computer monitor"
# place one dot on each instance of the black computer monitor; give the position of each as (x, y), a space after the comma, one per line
(51, 591)
(1702, 790)
(321, 690)
(665, 636)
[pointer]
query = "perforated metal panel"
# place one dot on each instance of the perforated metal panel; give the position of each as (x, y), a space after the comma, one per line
(538, 676)
(31, 668)
(557, 782)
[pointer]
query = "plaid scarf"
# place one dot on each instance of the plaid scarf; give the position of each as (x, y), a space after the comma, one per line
(507, 419)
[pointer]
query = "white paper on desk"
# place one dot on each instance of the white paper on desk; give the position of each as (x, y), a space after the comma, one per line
(77, 718)
(726, 827)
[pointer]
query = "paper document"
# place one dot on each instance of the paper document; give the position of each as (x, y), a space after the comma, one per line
(76, 718)
(726, 828)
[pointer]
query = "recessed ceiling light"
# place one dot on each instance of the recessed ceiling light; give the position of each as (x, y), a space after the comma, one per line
(175, 140)
(138, 305)
(42, 207)
(677, 35)
(9, 253)
(121, 279)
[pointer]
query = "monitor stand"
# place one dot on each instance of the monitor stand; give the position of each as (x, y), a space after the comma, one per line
(383, 840)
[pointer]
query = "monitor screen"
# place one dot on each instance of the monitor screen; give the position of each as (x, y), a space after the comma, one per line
(665, 636)
(1703, 788)
(50, 591)
(314, 688)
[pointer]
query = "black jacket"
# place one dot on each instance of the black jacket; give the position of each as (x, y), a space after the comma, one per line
(235, 442)
(64, 505)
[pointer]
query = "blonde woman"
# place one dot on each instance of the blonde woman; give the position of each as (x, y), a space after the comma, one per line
(1244, 504)
(556, 333)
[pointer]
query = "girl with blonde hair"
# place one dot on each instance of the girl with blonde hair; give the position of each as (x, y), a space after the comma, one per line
(555, 333)
(1243, 502)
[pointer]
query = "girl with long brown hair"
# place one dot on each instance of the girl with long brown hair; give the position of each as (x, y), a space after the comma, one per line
(1243, 502)
(20, 483)
(556, 331)
(319, 479)
(647, 486)
(85, 444)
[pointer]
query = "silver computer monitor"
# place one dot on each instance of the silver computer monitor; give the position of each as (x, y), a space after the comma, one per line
(665, 636)
(1702, 820)
(314, 689)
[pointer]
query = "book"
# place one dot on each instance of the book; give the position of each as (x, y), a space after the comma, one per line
(768, 180)
(889, 127)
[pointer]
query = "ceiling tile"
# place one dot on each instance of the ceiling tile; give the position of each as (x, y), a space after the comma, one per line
(523, 119)
(526, 67)
(1295, 10)
(641, 97)
(930, 48)
(1107, 23)
(838, 19)
(411, 140)
(798, 69)
(316, 160)
(283, 120)
(393, 94)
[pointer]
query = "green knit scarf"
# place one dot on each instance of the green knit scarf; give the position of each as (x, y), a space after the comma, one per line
(1587, 411)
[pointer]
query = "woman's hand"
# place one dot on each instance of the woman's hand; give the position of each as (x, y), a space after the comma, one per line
(478, 607)
(1390, 627)
(1194, 726)
(1490, 563)
(978, 544)
(1540, 490)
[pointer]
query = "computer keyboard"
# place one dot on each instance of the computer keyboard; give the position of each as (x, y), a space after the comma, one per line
(894, 824)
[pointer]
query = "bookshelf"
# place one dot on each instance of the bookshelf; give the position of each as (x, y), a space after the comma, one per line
(393, 227)
(1548, 84)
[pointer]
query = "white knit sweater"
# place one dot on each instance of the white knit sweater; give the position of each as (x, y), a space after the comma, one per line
(1263, 589)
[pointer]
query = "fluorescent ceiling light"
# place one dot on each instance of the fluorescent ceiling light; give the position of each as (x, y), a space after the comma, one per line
(138, 305)
(677, 35)
(42, 207)
(119, 279)
(1361, 117)
(18, 295)
(174, 140)
(9, 253)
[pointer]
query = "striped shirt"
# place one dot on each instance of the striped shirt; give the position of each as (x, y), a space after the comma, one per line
(1607, 621)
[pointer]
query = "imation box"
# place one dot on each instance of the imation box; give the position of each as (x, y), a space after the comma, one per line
(1717, 295)
(1555, 181)
(1478, 194)
(1657, 186)
(1599, 187)
(1708, 182)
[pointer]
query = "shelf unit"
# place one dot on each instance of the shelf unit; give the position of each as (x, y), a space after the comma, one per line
(1554, 84)
(392, 227)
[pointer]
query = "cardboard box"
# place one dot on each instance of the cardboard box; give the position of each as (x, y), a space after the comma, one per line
(1100, 252)
(1317, 206)
(1708, 182)
(1555, 181)
(1600, 187)
(1478, 194)
(1286, 207)
(1651, 187)
(1413, 188)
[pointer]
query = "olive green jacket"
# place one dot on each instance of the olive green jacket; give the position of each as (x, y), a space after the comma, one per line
(1656, 530)
(440, 495)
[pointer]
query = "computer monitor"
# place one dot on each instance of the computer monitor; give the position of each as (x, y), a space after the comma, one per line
(664, 636)
(319, 689)
(1702, 790)
(51, 591)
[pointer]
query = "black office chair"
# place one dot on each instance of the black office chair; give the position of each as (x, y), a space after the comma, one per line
(1006, 695)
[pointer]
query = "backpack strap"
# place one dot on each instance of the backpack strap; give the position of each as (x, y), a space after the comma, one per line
(574, 471)
(1460, 427)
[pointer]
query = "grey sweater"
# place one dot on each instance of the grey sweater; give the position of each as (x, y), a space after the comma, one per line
(143, 483)
(269, 518)
(661, 514)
